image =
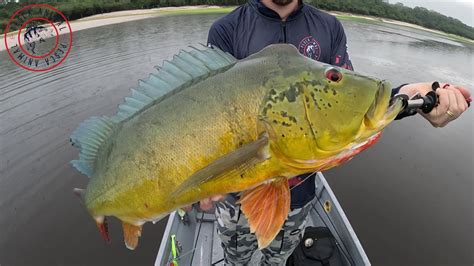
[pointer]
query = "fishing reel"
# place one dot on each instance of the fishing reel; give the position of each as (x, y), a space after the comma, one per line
(418, 102)
(424, 103)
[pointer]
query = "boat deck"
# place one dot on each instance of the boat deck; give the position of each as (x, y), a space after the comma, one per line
(199, 244)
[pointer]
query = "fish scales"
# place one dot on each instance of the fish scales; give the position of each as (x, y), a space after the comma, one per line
(269, 117)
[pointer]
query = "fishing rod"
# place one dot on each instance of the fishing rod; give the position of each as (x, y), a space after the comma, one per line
(418, 102)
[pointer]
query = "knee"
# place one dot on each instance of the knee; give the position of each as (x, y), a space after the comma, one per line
(237, 255)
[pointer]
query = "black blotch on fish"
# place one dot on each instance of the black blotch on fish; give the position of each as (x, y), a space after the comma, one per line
(285, 124)
(265, 109)
(334, 92)
(275, 122)
(284, 114)
(329, 105)
(326, 89)
(291, 93)
(292, 119)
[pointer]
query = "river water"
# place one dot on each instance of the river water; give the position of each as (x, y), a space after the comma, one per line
(409, 198)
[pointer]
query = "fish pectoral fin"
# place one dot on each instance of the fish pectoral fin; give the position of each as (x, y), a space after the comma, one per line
(266, 208)
(131, 233)
(237, 160)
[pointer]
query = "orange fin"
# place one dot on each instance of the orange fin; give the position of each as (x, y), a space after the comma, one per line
(266, 208)
(131, 233)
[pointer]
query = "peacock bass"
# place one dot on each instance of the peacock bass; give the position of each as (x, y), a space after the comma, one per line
(208, 124)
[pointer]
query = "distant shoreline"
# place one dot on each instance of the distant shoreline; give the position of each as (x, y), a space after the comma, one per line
(356, 17)
(139, 14)
(116, 17)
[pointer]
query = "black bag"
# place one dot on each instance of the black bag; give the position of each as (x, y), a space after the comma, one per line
(317, 248)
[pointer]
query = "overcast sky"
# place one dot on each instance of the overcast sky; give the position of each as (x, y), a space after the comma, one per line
(460, 9)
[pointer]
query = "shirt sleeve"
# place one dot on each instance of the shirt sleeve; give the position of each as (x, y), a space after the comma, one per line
(339, 55)
(220, 36)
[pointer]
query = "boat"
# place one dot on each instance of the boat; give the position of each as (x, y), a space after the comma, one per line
(191, 238)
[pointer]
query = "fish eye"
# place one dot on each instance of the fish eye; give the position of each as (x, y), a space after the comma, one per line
(334, 75)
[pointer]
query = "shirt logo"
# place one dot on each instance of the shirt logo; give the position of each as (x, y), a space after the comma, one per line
(310, 48)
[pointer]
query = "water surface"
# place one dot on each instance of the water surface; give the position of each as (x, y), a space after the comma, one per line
(409, 198)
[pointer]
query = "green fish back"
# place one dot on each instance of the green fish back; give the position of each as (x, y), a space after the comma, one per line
(186, 68)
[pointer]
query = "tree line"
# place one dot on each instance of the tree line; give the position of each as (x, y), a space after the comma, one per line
(75, 9)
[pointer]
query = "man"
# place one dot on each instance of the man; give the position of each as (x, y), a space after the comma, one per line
(321, 37)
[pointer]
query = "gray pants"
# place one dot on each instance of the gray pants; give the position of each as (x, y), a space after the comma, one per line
(239, 244)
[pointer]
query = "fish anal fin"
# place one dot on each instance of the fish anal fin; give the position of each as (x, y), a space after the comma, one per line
(131, 233)
(238, 160)
(266, 208)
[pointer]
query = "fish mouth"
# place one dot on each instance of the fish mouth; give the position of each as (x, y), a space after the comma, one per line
(383, 110)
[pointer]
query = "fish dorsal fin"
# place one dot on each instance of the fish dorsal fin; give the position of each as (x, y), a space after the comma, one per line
(88, 138)
(279, 49)
(186, 68)
(266, 208)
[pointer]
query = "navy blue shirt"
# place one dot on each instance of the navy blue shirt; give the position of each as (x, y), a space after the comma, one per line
(317, 35)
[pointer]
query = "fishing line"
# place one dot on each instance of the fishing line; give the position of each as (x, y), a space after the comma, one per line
(195, 243)
(199, 232)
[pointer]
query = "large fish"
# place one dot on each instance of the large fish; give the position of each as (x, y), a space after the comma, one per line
(207, 124)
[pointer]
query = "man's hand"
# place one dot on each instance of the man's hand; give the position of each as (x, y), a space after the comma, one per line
(452, 101)
(206, 204)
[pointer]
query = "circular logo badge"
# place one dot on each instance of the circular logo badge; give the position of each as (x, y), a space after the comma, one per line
(310, 48)
(39, 43)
